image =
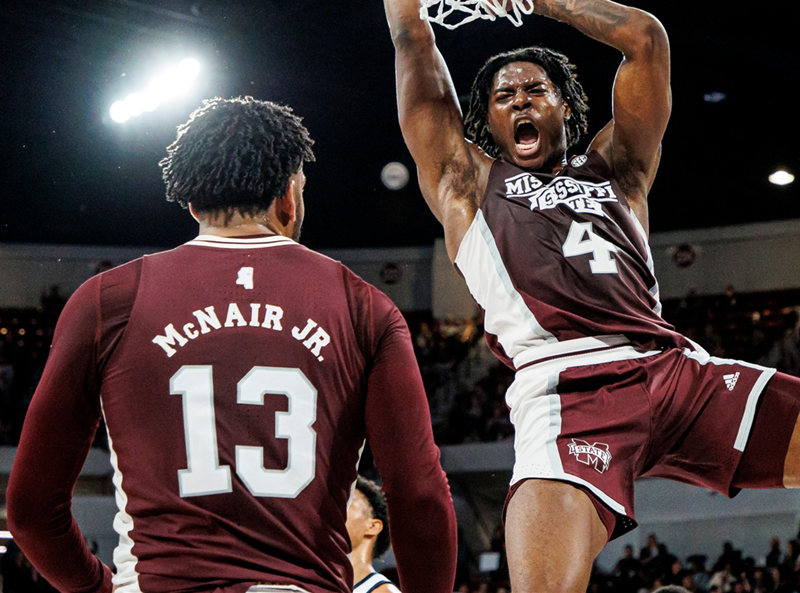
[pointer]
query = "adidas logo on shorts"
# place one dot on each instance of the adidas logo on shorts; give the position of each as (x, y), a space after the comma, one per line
(730, 380)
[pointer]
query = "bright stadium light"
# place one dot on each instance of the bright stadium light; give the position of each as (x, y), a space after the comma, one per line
(781, 177)
(118, 112)
(189, 69)
(167, 85)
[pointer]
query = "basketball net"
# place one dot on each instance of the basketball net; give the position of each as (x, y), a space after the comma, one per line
(454, 13)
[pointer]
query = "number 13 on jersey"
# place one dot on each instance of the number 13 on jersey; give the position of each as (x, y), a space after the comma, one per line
(204, 475)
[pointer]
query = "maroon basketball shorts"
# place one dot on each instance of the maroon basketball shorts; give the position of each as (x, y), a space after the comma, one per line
(601, 420)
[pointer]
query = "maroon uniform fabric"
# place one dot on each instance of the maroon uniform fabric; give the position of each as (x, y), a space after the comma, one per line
(238, 379)
(598, 281)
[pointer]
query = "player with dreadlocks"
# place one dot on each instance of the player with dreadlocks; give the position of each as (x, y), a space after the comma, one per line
(552, 243)
(239, 376)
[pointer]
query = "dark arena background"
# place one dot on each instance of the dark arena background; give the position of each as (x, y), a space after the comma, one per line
(81, 191)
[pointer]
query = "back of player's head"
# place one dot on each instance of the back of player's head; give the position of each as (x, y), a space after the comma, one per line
(377, 501)
(235, 154)
(560, 71)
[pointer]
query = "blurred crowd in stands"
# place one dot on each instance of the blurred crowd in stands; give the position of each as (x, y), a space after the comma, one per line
(466, 385)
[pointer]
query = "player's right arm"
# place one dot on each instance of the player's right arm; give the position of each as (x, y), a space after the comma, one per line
(58, 431)
(452, 172)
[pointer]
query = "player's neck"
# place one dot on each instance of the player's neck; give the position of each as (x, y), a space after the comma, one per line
(237, 225)
(361, 559)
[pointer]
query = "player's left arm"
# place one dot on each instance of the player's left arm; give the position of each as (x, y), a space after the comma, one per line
(58, 431)
(422, 520)
(642, 100)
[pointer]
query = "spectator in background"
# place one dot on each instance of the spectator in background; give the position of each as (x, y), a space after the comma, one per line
(774, 556)
(723, 579)
(697, 569)
(627, 571)
(729, 556)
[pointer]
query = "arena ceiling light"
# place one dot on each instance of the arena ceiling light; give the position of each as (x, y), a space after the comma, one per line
(171, 83)
(781, 177)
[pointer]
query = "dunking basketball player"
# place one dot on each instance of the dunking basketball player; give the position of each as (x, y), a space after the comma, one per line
(552, 244)
(238, 376)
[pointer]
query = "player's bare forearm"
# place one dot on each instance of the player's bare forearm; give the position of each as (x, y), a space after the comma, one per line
(622, 27)
(427, 103)
(422, 75)
(403, 18)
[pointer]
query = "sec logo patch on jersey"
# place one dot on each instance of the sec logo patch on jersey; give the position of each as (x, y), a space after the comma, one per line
(578, 161)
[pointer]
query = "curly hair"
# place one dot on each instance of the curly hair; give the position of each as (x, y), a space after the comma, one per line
(235, 155)
(558, 68)
(377, 501)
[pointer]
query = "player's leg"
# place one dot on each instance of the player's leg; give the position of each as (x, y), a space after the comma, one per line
(791, 467)
(553, 534)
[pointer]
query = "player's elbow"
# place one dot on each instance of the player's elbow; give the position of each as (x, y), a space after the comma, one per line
(29, 513)
(647, 38)
(21, 516)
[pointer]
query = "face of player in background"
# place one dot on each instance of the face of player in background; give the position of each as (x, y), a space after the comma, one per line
(526, 117)
(359, 518)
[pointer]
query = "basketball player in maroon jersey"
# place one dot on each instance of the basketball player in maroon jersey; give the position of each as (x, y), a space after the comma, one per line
(552, 244)
(238, 376)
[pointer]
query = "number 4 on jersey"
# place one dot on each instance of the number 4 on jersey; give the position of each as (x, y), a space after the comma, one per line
(581, 240)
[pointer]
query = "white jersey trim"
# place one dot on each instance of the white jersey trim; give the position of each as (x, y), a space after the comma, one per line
(654, 290)
(240, 243)
(506, 314)
(276, 589)
(126, 578)
(746, 423)
(372, 582)
(569, 348)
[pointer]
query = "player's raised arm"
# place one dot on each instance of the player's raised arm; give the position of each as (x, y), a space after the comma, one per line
(641, 96)
(450, 169)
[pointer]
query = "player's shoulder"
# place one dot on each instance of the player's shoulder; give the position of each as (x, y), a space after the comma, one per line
(386, 588)
(358, 289)
(91, 289)
(119, 283)
(375, 582)
(373, 314)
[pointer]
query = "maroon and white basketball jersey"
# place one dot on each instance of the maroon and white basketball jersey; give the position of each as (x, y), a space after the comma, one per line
(561, 265)
(238, 380)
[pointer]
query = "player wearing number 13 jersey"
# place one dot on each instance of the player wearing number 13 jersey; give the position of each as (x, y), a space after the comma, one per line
(554, 250)
(238, 376)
